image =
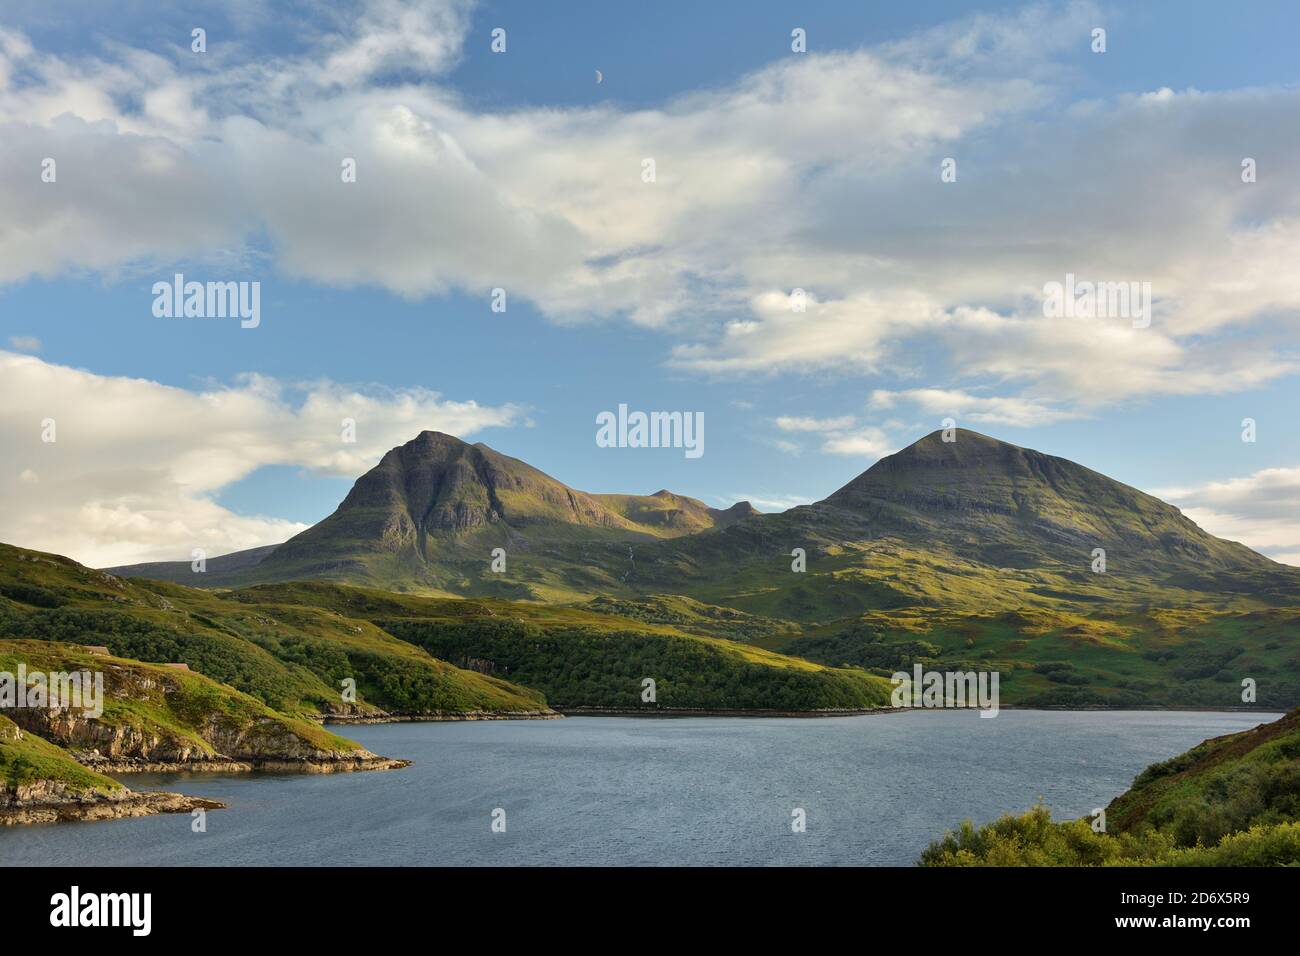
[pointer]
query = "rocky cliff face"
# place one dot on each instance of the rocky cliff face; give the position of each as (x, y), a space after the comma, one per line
(40, 783)
(436, 490)
(156, 718)
(226, 745)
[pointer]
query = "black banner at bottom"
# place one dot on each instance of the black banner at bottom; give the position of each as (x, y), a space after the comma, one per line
(348, 905)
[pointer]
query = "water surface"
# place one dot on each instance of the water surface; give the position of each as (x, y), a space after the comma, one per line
(620, 790)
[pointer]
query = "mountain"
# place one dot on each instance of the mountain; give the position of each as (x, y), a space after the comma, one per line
(1010, 506)
(959, 553)
(428, 516)
(972, 523)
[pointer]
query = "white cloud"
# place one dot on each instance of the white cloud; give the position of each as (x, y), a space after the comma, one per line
(136, 465)
(795, 423)
(838, 435)
(1017, 411)
(869, 442)
(25, 343)
(817, 172)
(1261, 510)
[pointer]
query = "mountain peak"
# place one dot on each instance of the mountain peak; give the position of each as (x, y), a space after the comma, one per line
(429, 437)
(963, 443)
(433, 509)
(944, 459)
(1006, 503)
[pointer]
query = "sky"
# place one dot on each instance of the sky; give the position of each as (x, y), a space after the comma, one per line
(775, 170)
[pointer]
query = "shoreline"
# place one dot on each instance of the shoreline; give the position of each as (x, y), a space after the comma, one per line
(667, 712)
(132, 804)
(348, 765)
(470, 715)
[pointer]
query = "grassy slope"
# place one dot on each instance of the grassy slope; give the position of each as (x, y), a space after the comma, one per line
(26, 759)
(1230, 801)
(581, 658)
(1132, 639)
(1222, 786)
(290, 644)
(1047, 657)
(290, 658)
(177, 709)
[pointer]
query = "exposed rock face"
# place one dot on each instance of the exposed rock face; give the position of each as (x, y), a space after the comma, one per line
(108, 742)
(67, 792)
(261, 745)
(437, 487)
(161, 720)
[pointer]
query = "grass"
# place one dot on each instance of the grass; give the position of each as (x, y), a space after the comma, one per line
(291, 657)
(26, 759)
(290, 644)
(578, 657)
(176, 708)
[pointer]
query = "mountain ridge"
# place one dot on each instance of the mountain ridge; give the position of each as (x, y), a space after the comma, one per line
(429, 516)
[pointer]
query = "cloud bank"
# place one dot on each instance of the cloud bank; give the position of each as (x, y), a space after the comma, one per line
(135, 467)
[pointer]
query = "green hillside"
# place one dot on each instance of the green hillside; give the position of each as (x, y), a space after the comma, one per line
(579, 658)
(156, 713)
(292, 658)
(290, 645)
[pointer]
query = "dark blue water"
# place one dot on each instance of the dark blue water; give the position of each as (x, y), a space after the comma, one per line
(609, 790)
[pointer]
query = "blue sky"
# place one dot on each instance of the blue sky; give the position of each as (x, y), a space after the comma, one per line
(776, 170)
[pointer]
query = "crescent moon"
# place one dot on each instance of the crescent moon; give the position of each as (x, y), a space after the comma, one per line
(600, 77)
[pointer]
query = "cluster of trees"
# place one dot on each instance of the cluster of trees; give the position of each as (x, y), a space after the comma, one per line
(290, 672)
(216, 654)
(1033, 839)
(862, 646)
(579, 667)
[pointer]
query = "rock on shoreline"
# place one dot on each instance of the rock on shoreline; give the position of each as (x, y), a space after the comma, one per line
(117, 805)
(327, 762)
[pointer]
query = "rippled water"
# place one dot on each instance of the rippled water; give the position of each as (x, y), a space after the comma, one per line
(610, 790)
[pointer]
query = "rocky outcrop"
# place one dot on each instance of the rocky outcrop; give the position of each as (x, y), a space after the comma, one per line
(235, 748)
(157, 719)
(37, 806)
(323, 762)
(40, 783)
